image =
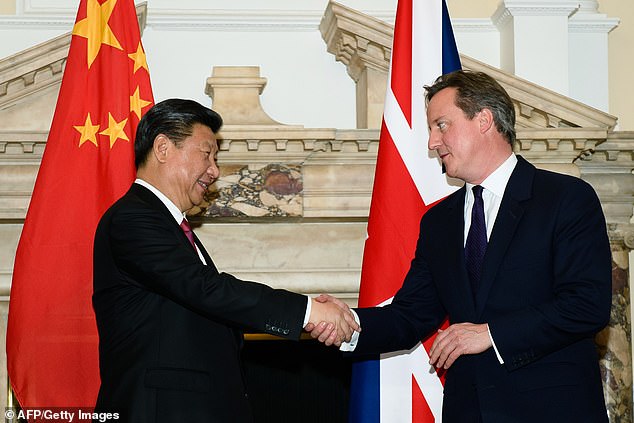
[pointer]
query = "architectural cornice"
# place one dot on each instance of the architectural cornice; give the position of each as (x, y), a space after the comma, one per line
(469, 25)
(63, 23)
(355, 39)
(296, 145)
(586, 23)
(32, 70)
(509, 9)
(584, 17)
(609, 167)
(62, 19)
(234, 20)
(22, 147)
(618, 149)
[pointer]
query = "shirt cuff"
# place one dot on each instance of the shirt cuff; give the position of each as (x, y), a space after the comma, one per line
(350, 346)
(497, 353)
(309, 306)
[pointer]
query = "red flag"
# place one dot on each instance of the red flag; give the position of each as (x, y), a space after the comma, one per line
(408, 181)
(88, 162)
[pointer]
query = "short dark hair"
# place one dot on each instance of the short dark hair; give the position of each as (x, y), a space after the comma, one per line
(476, 91)
(174, 118)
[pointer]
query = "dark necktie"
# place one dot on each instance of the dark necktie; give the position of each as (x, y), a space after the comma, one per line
(188, 232)
(476, 244)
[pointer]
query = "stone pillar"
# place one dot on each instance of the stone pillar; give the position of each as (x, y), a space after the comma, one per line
(539, 30)
(588, 76)
(609, 170)
(235, 93)
(363, 44)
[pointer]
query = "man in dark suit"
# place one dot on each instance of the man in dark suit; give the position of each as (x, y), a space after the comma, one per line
(169, 323)
(520, 345)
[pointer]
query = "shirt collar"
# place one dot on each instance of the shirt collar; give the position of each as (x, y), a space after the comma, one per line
(178, 215)
(496, 181)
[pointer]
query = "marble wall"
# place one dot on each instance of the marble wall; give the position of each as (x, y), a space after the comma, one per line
(615, 343)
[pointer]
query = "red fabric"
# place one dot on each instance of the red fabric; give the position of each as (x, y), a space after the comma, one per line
(88, 162)
(420, 409)
(395, 214)
(401, 63)
(188, 232)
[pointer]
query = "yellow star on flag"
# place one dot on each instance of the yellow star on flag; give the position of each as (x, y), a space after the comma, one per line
(95, 28)
(137, 103)
(139, 58)
(115, 130)
(88, 132)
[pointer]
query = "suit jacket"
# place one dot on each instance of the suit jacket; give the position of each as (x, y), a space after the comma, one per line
(545, 292)
(168, 339)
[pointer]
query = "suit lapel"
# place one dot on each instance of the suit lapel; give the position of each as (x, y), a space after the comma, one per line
(518, 190)
(148, 196)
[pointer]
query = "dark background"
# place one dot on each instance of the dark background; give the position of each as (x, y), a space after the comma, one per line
(291, 381)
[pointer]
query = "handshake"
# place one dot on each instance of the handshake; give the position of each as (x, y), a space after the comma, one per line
(331, 321)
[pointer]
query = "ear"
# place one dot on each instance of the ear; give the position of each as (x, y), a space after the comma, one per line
(485, 120)
(160, 147)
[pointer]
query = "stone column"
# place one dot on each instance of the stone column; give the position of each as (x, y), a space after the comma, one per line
(609, 170)
(235, 93)
(363, 44)
(588, 76)
(539, 30)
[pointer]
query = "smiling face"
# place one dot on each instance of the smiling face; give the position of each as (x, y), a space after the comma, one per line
(192, 167)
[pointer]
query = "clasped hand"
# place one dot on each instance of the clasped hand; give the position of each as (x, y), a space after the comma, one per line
(331, 321)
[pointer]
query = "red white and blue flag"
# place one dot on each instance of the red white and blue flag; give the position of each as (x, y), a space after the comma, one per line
(399, 387)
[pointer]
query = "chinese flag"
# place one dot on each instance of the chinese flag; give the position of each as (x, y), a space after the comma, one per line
(88, 163)
(397, 388)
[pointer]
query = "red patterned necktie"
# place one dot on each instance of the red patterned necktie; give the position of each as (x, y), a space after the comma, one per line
(188, 232)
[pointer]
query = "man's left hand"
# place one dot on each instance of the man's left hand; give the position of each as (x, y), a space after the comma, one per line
(459, 339)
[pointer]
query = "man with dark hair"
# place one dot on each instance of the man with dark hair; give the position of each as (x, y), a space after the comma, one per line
(518, 259)
(169, 323)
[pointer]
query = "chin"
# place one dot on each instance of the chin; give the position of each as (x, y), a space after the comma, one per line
(450, 172)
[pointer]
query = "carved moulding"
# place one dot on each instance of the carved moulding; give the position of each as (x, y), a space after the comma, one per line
(20, 157)
(609, 168)
(32, 70)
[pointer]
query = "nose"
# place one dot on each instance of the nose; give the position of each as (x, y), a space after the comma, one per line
(213, 171)
(434, 140)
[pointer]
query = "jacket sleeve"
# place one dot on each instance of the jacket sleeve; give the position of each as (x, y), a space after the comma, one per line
(150, 253)
(413, 314)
